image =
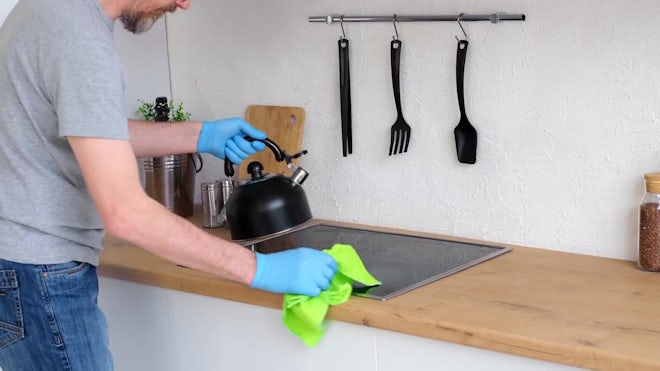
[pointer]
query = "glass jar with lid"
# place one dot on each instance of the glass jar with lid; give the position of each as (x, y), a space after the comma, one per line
(648, 247)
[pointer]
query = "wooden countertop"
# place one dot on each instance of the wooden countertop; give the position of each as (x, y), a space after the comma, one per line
(573, 309)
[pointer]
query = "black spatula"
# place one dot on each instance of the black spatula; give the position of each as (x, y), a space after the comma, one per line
(464, 133)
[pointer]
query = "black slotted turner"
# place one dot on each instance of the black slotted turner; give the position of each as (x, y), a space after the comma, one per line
(464, 133)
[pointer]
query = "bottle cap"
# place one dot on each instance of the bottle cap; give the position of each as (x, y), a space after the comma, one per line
(652, 182)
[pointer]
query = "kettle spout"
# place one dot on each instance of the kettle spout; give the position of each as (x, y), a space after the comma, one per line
(299, 174)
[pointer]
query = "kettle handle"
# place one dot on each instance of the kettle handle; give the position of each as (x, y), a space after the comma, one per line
(277, 151)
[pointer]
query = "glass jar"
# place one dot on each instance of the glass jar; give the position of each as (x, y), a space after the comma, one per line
(648, 247)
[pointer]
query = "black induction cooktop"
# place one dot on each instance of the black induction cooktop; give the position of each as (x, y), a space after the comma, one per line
(401, 262)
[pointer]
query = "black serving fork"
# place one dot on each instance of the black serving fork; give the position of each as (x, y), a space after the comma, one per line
(400, 136)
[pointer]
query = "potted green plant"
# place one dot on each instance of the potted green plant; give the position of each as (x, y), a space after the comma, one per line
(176, 111)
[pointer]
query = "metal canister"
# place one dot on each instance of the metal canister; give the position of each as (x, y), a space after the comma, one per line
(226, 188)
(210, 205)
(170, 180)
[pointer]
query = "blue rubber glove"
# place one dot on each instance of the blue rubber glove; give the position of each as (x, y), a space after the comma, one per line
(302, 271)
(225, 138)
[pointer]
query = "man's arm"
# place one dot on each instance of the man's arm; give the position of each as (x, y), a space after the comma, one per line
(128, 213)
(150, 138)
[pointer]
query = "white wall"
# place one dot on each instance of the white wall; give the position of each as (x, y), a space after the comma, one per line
(566, 105)
(145, 64)
(5, 7)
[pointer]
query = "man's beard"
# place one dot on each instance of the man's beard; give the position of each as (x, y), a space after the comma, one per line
(138, 20)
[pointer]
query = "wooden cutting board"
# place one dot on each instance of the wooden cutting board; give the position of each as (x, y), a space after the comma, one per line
(284, 125)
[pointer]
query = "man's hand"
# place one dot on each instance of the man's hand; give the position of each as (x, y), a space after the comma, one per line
(225, 138)
(299, 271)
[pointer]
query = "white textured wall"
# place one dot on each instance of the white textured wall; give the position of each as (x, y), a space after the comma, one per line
(5, 7)
(566, 105)
(145, 65)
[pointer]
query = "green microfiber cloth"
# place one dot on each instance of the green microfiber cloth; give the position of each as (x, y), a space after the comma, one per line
(304, 315)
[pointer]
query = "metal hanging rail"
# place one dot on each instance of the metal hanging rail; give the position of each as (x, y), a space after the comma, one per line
(493, 18)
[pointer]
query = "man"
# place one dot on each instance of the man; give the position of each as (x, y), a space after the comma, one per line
(68, 172)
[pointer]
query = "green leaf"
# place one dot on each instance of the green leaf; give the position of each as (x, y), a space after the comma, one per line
(177, 113)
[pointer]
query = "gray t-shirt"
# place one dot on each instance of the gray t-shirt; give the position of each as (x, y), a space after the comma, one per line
(60, 76)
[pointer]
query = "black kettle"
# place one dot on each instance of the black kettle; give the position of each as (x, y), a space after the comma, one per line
(267, 203)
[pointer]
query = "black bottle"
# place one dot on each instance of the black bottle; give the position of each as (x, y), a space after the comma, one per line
(162, 109)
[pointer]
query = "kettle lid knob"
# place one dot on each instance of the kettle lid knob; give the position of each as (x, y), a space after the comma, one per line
(255, 169)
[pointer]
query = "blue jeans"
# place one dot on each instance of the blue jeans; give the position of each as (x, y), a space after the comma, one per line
(49, 319)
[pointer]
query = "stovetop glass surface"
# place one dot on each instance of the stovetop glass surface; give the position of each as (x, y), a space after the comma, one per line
(400, 262)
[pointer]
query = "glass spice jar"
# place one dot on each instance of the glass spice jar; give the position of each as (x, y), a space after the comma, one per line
(648, 247)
